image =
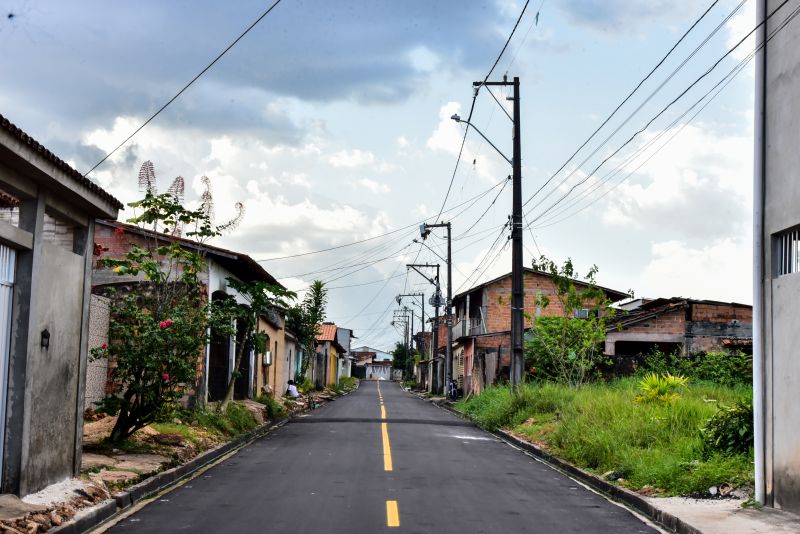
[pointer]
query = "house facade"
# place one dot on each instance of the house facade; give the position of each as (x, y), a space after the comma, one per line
(326, 370)
(482, 326)
(47, 226)
(217, 362)
(682, 326)
(776, 273)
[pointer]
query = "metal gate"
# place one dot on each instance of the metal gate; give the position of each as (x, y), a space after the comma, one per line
(7, 267)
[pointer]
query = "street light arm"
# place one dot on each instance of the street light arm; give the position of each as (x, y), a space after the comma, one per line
(429, 248)
(457, 118)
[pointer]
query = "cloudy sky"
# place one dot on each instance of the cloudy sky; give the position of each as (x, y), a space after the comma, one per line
(331, 122)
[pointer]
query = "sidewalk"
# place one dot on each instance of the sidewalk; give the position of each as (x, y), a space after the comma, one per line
(726, 516)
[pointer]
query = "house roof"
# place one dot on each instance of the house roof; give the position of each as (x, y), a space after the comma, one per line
(9, 127)
(661, 306)
(613, 294)
(240, 264)
(327, 332)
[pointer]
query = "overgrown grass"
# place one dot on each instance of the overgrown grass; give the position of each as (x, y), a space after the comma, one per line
(236, 420)
(600, 427)
(275, 410)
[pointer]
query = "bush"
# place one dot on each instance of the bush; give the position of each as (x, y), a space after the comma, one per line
(349, 383)
(598, 427)
(730, 430)
(661, 388)
(275, 410)
(235, 420)
(725, 368)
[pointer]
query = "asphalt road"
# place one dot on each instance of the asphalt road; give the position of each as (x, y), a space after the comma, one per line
(381, 460)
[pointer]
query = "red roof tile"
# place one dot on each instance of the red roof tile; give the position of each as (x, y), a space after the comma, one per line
(327, 332)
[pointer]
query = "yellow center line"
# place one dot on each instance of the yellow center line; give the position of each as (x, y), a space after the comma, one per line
(392, 515)
(387, 449)
(383, 412)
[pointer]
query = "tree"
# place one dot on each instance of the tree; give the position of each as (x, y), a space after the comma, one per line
(157, 331)
(401, 356)
(305, 319)
(229, 318)
(565, 348)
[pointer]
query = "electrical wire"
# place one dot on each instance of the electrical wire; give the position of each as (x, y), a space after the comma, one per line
(664, 109)
(185, 87)
(472, 107)
(623, 102)
(716, 90)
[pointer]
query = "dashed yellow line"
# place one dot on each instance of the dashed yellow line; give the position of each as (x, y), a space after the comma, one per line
(392, 515)
(387, 449)
(383, 412)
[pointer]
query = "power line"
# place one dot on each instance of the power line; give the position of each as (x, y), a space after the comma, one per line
(185, 87)
(412, 225)
(472, 107)
(664, 109)
(624, 101)
(718, 87)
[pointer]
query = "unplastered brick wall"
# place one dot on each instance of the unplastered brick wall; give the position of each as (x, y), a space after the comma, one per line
(97, 369)
(722, 313)
(58, 232)
(497, 301)
(670, 322)
(10, 215)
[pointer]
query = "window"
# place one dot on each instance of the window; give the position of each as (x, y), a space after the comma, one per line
(786, 245)
(581, 314)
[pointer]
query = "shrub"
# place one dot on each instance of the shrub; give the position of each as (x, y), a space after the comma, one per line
(348, 382)
(275, 410)
(730, 430)
(726, 368)
(661, 388)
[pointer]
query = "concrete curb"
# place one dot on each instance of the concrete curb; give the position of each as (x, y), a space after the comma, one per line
(92, 517)
(622, 495)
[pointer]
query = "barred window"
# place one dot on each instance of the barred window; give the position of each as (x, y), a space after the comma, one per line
(787, 256)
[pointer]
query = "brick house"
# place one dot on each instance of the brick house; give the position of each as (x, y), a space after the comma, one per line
(216, 363)
(482, 325)
(326, 370)
(681, 325)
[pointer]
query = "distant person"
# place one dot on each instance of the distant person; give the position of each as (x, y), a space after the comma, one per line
(292, 390)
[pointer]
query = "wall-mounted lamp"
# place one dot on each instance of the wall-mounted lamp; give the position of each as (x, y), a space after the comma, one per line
(45, 339)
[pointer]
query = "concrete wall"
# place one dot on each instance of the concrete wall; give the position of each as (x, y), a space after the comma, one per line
(52, 417)
(781, 329)
(273, 378)
(97, 370)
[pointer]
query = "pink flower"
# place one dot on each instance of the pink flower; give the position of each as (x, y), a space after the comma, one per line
(104, 346)
(166, 376)
(162, 324)
(169, 322)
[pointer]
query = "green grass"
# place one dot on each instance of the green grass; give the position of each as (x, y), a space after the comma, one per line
(236, 420)
(602, 428)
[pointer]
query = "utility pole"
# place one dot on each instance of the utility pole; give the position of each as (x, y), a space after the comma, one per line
(517, 270)
(435, 301)
(448, 358)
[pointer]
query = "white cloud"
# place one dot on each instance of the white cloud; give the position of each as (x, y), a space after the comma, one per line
(719, 271)
(447, 138)
(373, 186)
(423, 59)
(352, 158)
(739, 26)
(447, 135)
(700, 180)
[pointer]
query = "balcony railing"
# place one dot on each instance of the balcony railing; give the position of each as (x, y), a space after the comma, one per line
(468, 327)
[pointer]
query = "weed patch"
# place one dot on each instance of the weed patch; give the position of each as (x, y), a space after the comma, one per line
(602, 428)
